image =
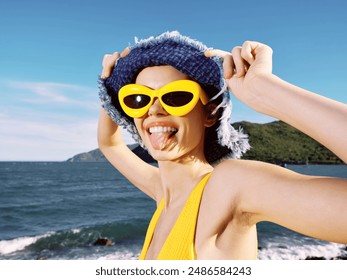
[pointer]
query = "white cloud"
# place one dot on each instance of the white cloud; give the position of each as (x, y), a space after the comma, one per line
(43, 140)
(53, 93)
(49, 121)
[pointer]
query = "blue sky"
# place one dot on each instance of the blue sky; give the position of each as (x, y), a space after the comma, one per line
(51, 52)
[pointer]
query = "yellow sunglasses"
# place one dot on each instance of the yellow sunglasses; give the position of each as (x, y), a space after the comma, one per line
(178, 98)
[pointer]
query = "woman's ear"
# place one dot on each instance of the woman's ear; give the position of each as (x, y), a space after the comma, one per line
(211, 118)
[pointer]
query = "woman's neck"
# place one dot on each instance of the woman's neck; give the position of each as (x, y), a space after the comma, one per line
(179, 178)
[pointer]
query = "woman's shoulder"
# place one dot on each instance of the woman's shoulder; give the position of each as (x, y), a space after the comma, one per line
(238, 173)
(231, 166)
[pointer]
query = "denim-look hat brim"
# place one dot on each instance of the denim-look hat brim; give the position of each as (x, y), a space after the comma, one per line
(187, 56)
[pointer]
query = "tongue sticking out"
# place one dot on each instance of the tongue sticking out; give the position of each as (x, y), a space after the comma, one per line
(161, 137)
(160, 140)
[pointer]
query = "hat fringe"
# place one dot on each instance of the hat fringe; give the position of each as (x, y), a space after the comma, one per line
(174, 36)
(228, 136)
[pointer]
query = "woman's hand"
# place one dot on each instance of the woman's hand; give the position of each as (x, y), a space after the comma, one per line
(247, 70)
(244, 68)
(109, 61)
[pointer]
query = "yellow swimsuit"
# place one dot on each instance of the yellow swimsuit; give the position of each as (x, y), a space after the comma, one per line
(179, 244)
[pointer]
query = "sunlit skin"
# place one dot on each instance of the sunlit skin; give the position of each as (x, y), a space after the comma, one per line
(239, 193)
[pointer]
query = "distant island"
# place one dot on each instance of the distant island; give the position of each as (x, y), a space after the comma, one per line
(274, 142)
(97, 156)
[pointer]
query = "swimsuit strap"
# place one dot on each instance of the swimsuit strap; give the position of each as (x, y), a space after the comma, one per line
(179, 244)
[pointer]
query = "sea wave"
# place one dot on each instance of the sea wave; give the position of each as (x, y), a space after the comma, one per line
(127, 239)
(325, 251)
(18, 244)
(60, 244)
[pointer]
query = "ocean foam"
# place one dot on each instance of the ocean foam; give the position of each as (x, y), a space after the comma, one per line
(76, 230)
(10, 246)
(327, 251)
(120, 256)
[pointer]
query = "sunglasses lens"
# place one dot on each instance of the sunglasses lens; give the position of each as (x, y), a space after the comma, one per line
(136, 101)
(177, 98)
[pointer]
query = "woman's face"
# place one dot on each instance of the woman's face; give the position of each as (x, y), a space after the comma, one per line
(167, 137)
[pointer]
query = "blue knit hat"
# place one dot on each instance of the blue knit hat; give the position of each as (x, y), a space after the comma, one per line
(186, 55)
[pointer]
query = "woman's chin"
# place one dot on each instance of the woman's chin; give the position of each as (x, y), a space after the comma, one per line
(163, 155)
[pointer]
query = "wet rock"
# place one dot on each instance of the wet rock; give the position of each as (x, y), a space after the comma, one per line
(315, 258)
(103, 242)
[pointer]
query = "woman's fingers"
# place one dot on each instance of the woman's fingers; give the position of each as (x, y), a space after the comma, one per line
(247, 51)
(258, 53)
(233, 63)
(228, 66)
(108, 63)
(238, 62)
(241, 65)
(228, 62)
(215, 52)
(125, 52)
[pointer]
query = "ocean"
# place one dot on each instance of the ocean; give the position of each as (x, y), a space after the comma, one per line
(58, 210)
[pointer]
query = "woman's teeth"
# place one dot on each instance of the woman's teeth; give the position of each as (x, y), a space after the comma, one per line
(161, 129)
(161, 137)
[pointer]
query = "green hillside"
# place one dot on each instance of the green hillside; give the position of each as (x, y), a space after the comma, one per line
(274, 142)
(278, 142)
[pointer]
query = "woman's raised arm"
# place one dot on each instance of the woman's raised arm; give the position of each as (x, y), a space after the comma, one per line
(138, 172)
(248, 70)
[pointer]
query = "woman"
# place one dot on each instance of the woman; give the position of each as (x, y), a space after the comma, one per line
(171, 93)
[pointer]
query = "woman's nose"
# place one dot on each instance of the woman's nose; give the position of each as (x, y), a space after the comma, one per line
(156, 108)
